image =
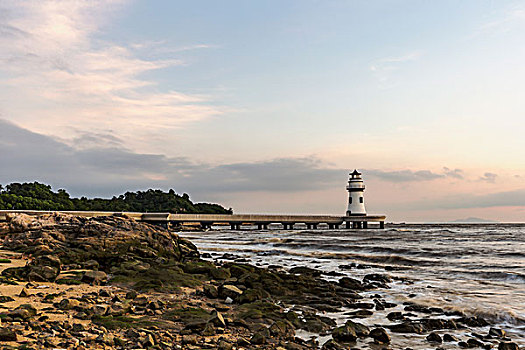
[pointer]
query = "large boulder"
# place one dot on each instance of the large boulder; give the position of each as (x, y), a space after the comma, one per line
(45, 268)
(101, 243)
(95, 277)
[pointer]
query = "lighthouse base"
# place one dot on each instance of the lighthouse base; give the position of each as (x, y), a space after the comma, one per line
(349, 213)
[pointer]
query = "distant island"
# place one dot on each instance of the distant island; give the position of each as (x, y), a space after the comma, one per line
(474, 220)
(38, 196)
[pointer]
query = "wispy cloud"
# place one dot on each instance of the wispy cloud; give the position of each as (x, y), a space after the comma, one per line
(384, 68)
(510, 18)
(57, 73)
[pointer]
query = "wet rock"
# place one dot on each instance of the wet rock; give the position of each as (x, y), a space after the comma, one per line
(24, 293)
(449, 338)
(361, 305)
(379, 305)
(333, 345)
(431, 324)
(315, 324)
(434, 338)
(474, 321)
(497, 332)
(380, 335)
(333, 273)
(351, 283)
(477, 335)
(474, 342)
(407, 327)
(377, 277)
(344, 334)
(359, 329)
(360, 313)
(302, 270)
(417, 308)
(395, 316)
(347, 266)
(508, 346)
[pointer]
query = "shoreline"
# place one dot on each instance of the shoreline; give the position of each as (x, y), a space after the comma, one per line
(197, 304)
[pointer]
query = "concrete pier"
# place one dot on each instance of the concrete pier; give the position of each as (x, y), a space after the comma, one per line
(288, 222)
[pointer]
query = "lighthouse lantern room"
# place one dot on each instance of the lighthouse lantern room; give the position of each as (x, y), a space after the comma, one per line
(356, 200)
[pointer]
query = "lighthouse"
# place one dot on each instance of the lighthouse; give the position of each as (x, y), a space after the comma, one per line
(356, 199)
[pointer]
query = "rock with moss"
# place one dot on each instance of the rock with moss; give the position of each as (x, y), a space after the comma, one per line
(344, 334)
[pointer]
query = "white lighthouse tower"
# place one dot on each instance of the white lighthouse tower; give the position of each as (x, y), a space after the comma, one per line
(356, 200)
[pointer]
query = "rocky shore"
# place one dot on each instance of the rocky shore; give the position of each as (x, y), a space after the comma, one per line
(112, 283)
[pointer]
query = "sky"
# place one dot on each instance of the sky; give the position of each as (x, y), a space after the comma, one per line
(266, 106)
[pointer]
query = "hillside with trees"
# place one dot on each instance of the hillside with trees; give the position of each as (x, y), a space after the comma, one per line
(37, 196)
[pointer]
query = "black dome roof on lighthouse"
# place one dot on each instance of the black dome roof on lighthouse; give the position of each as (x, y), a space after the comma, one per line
(355, 172)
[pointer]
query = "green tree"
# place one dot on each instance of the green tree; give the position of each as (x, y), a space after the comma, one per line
(37, 196)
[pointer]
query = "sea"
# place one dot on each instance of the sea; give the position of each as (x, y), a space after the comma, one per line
(478, 269)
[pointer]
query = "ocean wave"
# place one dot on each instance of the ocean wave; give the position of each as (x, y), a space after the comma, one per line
(503, 276)
(512, 254)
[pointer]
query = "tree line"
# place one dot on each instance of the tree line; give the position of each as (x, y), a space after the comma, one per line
(38, 196)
